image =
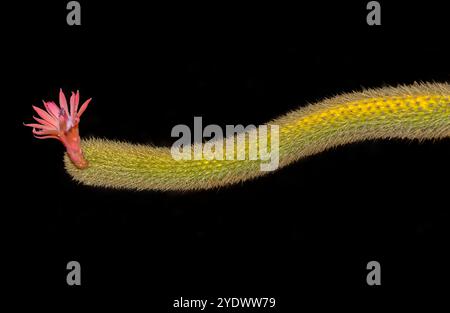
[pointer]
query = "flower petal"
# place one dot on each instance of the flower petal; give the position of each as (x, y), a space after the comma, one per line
(40, 126)
(44, 122)
(73, 104)
(43, 114)
(77, 102)
(63, 101)
(45, 132)
(84, 107)
(46, 137)
(52, 108)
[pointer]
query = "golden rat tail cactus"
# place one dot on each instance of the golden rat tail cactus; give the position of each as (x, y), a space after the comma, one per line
(419, 111)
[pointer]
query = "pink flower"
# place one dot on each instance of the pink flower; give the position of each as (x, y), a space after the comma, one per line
(62, 124)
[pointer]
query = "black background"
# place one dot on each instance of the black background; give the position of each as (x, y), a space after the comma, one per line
(303, 234)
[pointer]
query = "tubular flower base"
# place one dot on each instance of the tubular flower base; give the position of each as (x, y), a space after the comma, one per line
(62, 124)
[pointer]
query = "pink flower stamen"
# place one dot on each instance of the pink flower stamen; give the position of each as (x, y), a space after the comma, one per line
(60, 123)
